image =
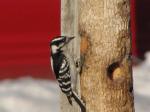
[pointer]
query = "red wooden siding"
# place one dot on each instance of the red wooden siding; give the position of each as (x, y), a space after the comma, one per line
(143, 27)
(26, 27)
(133, 27)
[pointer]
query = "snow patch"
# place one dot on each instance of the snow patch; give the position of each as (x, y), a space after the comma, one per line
(29, 95)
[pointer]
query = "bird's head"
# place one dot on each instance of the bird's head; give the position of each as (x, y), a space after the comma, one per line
(59, 42)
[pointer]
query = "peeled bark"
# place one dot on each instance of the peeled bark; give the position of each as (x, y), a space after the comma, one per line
(105, 50)
(69, 27)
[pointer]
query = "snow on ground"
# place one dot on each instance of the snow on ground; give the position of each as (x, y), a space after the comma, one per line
(28, 95)
(32, 95)
(141, 74)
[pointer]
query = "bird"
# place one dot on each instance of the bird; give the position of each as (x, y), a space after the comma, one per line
(61, 68)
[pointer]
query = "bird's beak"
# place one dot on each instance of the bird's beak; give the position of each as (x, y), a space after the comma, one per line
(69, 39)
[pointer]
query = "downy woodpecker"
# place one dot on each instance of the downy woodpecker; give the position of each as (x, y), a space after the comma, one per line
(61, 68)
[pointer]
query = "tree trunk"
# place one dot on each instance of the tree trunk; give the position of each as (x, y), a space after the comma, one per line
(106, 79)
(105, 49)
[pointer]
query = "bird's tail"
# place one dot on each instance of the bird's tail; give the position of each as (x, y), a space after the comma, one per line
(79, 101)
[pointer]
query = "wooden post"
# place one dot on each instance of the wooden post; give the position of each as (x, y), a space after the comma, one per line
(69, 27)
(103, 41)
(106, 79)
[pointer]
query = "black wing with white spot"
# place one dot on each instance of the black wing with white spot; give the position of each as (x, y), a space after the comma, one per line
(64, 78)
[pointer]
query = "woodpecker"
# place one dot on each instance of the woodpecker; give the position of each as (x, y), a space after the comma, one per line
(61, 68)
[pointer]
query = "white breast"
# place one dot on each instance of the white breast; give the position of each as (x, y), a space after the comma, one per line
(54, 49)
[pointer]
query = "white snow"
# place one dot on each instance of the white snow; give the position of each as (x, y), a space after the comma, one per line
(28, 95)
(32, 95)
(141, 74)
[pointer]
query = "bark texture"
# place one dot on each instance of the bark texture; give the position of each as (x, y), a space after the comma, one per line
(103, 41)
(106, 79)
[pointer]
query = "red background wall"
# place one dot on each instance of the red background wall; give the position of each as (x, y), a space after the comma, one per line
(26, 27)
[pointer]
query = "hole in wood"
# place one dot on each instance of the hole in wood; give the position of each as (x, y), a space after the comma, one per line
(84, 45)
(131, 89)
(116, 72)
(111, 69)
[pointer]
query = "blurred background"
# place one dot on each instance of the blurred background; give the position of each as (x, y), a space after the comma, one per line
(26, 81)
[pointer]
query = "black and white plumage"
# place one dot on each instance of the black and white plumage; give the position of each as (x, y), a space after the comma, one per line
(61, 68)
